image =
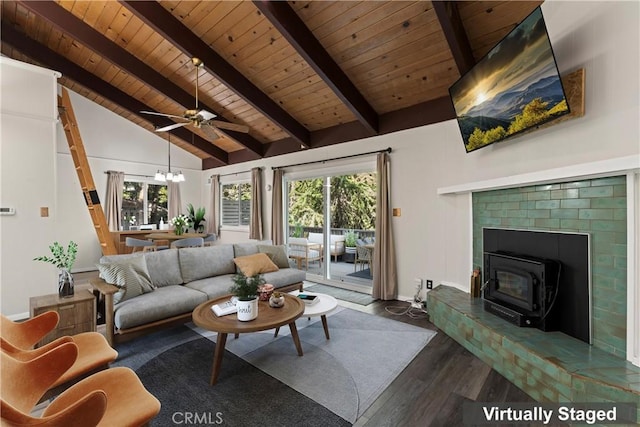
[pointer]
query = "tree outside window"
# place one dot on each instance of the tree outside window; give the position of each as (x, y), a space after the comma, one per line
(143, 203)
(236, 204)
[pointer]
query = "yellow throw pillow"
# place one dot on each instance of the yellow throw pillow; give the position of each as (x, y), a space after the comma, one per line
(251, 265)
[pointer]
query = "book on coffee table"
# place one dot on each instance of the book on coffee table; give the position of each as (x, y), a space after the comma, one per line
(309, 299)
(225, 308)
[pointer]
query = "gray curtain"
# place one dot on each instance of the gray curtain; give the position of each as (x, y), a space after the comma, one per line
(175, 199)
(255, 226)
(214, 200)
(385, 278)
(113, 203)
(277, 214)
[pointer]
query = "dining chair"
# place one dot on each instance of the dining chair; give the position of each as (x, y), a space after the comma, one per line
(189, 242)
(113, 397)
(210, 238)
(140, 245)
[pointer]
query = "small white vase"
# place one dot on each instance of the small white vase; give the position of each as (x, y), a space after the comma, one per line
(247, 310)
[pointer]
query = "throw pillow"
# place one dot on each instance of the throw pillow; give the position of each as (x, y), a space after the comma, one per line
(278, 254)
(251, 265)
(131, 276)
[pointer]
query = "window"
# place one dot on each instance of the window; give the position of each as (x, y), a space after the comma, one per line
(143, 203)
(236, 204)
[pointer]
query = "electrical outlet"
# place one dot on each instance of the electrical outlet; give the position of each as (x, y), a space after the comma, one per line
(429, 284)
(418, 282)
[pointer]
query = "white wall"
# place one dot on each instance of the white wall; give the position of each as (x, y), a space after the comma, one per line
(433, 235)
(27, 182)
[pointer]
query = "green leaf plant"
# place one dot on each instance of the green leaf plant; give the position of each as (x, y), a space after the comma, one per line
(59, 257)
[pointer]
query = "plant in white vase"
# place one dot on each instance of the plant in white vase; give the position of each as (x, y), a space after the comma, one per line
(246, 290)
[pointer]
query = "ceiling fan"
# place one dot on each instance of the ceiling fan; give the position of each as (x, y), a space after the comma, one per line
(201, 119)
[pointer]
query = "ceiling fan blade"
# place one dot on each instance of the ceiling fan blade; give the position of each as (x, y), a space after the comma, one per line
(206, 115)
(153, 113)
(210, 131)
(171, 127)
(230, 126)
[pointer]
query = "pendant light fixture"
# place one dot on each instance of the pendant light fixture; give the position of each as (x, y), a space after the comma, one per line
(169, 176)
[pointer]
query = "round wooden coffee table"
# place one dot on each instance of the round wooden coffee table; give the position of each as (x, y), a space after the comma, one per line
(268, 318)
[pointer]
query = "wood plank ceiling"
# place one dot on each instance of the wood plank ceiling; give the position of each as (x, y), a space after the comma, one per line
(299, 74)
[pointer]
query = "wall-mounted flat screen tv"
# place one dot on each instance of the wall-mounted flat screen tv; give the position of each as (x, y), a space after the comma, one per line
(513, 88)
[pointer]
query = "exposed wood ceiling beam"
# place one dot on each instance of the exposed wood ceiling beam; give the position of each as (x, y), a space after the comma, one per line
(423, 114)
(69, 24)
(54, 61)
(289, 24)
(163, 22)
(454, 32)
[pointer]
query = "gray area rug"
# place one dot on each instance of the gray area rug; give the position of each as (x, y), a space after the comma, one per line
(345, 374)
(341, 294)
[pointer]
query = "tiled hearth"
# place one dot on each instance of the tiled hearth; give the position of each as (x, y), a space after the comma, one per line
(549, 366)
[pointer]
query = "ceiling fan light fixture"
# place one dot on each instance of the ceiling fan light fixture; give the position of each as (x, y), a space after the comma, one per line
(159, 176)
(179, 177)
(170, 176)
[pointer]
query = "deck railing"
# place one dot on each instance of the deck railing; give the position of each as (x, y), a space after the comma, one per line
(339, 231)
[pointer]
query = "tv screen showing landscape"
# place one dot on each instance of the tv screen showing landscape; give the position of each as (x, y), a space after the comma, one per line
(514, 88)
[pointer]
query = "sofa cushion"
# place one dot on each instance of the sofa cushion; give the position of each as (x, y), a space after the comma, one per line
(284, 277)
(198, 263)
(249, 248)
(214, 287)
(130, 276)
(316, 238)
(277, 253)
(163, 266)
(162, 303)
(251, 265)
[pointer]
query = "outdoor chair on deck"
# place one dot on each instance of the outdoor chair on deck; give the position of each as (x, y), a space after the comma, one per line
(189, 242)
(363, 256)
(303, 251)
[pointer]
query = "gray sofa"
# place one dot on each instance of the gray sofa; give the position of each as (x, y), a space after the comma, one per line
(181, 279)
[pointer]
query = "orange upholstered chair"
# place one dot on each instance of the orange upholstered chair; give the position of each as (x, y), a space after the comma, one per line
(113, 397)
(26, 334)
(17, 338)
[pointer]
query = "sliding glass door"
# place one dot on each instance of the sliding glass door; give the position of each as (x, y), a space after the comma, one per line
(331, 220)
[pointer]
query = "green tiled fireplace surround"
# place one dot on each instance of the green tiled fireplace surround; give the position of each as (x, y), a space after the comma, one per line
(595, 206)
(548, 366)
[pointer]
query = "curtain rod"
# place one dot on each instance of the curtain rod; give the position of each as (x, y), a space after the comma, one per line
(132, 174)
(387, 150)
(234, 173)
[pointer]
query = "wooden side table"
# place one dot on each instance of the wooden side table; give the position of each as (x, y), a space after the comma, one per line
(77, 313)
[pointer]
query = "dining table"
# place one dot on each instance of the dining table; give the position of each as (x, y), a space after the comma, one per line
(171, 236)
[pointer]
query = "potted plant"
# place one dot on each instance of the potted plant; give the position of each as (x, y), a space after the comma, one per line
(63, 261)
(350, 239)
(297, 231)
(246, 291)
(196, 217)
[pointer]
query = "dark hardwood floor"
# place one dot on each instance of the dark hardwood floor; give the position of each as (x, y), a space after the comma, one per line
(432, 389)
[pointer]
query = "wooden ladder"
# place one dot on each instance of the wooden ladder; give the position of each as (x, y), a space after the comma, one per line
(76, 147)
